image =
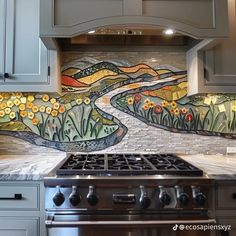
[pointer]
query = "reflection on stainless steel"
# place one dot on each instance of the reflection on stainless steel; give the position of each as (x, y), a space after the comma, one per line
(140, 203)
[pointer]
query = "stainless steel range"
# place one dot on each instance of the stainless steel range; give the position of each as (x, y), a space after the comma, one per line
(126, 194)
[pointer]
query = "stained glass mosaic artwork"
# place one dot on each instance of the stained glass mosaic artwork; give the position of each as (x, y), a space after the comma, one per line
(77, 121)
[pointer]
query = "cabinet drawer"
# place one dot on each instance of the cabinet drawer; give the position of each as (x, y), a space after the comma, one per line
(226, 196)
(228, 222)
(29, 200)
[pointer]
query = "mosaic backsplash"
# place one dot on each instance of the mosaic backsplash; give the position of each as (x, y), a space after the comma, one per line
(103, 100)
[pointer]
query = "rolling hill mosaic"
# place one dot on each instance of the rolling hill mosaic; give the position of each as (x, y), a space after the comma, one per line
(73, 121)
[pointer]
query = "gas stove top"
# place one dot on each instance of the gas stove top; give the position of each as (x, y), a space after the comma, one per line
(127, 164)
(97, 182)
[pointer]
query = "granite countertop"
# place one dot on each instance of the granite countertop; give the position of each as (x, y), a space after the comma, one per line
(36, 166)
(217, 166)
(28, 167)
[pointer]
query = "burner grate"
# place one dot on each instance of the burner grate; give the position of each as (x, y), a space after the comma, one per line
(127, 164)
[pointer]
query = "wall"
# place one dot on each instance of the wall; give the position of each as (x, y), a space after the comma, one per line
(141, 135)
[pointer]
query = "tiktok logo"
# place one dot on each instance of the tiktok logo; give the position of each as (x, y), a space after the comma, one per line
(175, 227)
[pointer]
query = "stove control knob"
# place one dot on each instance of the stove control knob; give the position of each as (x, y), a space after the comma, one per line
(164, 197)
(58, 198)
(92, 197)
(182, 197)
(198, 196)
(200, 199)
(144, 200)
(74, 197)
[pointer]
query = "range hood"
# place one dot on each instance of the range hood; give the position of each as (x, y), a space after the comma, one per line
(199, 25)
(198, 19)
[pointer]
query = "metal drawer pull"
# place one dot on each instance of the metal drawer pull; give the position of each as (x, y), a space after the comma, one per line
(6, 76)
(17, 196)
(51, 223)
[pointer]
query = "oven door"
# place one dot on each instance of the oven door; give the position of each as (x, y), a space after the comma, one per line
(61, 224)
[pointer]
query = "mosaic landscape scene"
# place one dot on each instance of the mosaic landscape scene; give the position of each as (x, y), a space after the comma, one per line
(74, 122)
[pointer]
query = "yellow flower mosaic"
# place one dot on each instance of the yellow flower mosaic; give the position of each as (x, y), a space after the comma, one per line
(42, 109)
(79, 101)
(56, 106)
(54, 113)
(23, 114)
(130, 101)
(35, 121)
(48, 110)
(3, 105)
(17, 102)
(2, 113)
(45, 98)
(30, 115)
(22, 107)
(35, 109)
(12, 115)
(164, 103)
(173, 104)
(61, 109)
(23, 100)
(53, 100)
(7, 110)
(10, 104)
(176, 111)
(151, 104)
(30, 98)
(29, 105)
(87, 101)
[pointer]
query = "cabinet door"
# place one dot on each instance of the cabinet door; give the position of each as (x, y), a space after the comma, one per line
(220, 66)
(2, 37)
(11, 226)
(27, 59)
(211, 64)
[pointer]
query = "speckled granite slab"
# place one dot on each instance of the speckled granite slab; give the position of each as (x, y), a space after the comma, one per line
(28, 167)
(218, 166)
(35, 167)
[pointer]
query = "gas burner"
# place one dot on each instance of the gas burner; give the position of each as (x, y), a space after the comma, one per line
(127, 164)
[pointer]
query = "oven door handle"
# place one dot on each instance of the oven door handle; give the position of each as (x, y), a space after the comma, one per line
(52, 223)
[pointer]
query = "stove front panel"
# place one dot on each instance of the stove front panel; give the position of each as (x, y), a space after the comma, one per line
(154, 196)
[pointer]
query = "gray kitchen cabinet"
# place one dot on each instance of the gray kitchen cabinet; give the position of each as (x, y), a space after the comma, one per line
(2, 37)
(24, 60)
(213, 70)
(22, 211)
(226, 206)
(199, 19)
(10, 226)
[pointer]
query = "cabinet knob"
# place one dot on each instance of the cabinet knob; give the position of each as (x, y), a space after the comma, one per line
(234, 195)
(6, 76)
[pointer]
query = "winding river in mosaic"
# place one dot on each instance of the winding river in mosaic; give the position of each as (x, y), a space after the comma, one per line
(80, 119)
